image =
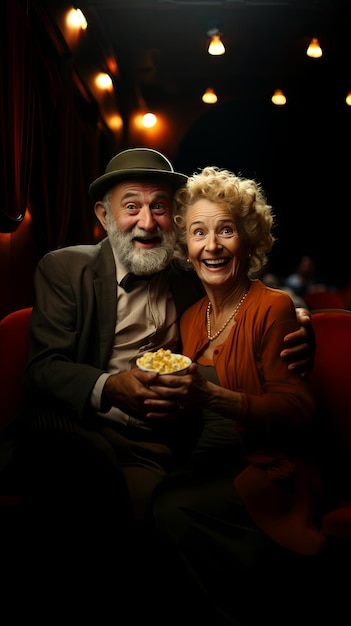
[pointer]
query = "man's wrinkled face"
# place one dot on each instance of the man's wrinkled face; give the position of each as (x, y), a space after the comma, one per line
(138, 218)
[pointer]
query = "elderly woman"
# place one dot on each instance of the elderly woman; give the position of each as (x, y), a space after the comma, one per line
(244, 505)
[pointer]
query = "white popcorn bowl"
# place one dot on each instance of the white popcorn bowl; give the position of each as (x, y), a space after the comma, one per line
(181, 370)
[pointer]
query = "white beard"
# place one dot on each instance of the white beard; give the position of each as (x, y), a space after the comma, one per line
(137, 260)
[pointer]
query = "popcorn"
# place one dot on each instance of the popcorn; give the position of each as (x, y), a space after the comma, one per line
(163, 361)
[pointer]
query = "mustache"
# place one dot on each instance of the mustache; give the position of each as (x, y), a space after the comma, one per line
(139, 233)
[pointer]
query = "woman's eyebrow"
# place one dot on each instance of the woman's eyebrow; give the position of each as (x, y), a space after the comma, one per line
(228, 220)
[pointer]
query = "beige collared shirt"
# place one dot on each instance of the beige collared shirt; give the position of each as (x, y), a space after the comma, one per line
(146, 320)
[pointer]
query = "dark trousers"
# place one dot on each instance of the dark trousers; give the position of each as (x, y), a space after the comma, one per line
(239, 573)
(77, 548)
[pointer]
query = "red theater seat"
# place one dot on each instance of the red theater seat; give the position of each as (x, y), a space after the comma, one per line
(13, 356)
(324, 300)
(331, 380)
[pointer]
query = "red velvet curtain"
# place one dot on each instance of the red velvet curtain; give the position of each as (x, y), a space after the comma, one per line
(16, 102)
(50, 142)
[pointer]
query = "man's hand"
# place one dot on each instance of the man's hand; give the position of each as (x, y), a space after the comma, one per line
(300, 345)
(129, 390)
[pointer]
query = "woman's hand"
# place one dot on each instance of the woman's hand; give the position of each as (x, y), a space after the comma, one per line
(182, 391)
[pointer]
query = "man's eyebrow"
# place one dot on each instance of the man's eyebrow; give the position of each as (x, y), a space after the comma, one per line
(161, 194)
(134, 194)
(129, 194)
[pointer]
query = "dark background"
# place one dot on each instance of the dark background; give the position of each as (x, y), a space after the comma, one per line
(300, 152)
(302, 160)
(56, 135)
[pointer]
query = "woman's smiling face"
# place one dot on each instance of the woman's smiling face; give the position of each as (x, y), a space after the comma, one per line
(214, 245)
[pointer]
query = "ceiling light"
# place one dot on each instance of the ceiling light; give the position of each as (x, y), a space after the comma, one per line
(209, 97)
(216, 46)
(104, 81)
(115, 121)
(314, 50)
(348, 99)
(278, 98)
(76, 19)
(149, 120)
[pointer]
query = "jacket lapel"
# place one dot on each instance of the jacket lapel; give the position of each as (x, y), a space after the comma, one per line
(106, 299)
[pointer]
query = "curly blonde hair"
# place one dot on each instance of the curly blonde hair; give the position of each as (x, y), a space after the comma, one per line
(244, 198)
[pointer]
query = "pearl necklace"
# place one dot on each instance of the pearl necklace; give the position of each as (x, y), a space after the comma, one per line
(208, 310)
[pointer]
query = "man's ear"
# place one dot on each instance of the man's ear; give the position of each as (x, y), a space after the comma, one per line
(100, 213)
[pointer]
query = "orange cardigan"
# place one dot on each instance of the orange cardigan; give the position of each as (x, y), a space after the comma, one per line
(280, 488)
